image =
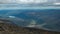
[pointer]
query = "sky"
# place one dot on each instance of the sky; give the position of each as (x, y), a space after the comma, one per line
(23, 1)
(27, 1)
(31, 1)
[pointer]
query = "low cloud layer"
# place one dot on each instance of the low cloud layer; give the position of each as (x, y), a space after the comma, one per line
(25, 1)
(55, 2)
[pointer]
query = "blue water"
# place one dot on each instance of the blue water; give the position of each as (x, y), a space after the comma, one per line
(24, 17)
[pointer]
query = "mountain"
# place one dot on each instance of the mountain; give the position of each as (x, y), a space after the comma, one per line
(47, 19)
(41, 16)
(7, 27)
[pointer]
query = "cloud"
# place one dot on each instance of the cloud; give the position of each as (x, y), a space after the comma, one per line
(28, 1)
(7, 1)
(22, 1)
(31, 1)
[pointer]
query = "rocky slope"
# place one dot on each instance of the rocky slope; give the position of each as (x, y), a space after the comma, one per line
(7, 28)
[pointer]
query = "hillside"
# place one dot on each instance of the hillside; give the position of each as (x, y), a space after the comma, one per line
(7, 28)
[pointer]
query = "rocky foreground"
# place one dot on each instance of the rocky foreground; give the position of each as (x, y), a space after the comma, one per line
(6, 28)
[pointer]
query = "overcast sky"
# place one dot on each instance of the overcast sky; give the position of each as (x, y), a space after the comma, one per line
(22, 1)
(26, 1)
